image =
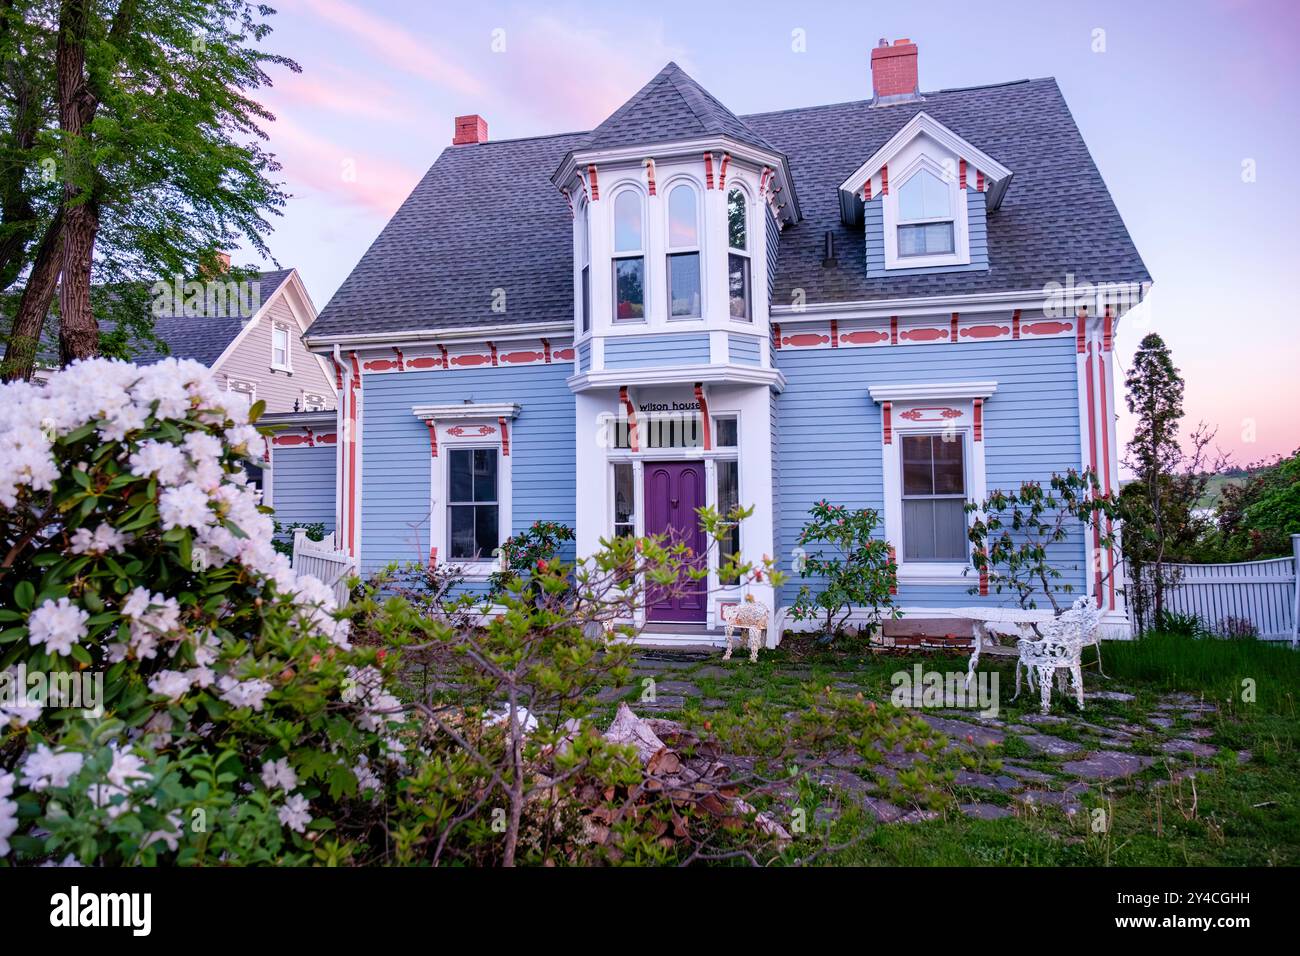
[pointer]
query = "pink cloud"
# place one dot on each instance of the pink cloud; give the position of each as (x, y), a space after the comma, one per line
(394, 44)
(329, 87)
(339, 170)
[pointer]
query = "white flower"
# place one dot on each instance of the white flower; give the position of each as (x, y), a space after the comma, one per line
(185, 507)
(249, 693)
(102, 540)
(367, 779)
(104, 796)
(294, 813)
(8, 812)
(69, 860)
(170, 684)
(170, 836)
(161, 460)
(58, 626)
(278, 774)
(45, 768)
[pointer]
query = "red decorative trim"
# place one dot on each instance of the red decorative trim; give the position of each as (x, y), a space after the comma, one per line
(776, 335)
(803, 340)
(722, 170)
(979, 419)
(526, 357)
(952, 335)
(923, 335)
(338, 373)
(401, 367)
(864, 337)
(1047, 328)
(887, 420)
(493, 347)
(708, 170)
(1082, 323)
(564, 355)
(884, 180)
(1015, 324)
(546, 351)
(918, 414)
(445, 361)
(329, 438)
(835, 334)
(433, 438)
(893, 330)
(1103, 365)
(505, 436)
(1092, 448)
(893, 559)
(433, 557)
(632, 439)
(866, 191)
(979, 180)
(471, 431)
(704, 416)
(594, 182)
(763, 180)
(985, 331)
(289, 441)
(381, 365)
(472, 361)
(266, 445)
(355, 386)
(650, 176)
(423, 362)
(961, 174)
(1107, 330)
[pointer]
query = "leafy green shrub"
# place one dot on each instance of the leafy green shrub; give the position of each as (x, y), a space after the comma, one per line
(283, 540)
(521, 553)
(856, 571)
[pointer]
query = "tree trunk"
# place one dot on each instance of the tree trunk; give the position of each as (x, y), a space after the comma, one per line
(78, 333)
(34, 306)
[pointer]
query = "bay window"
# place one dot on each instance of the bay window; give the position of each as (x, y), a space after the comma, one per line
(629, 257)
(684, 300)
(738, 278)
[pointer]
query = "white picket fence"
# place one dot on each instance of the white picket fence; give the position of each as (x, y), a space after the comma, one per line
(1266, 593)
(323, 561)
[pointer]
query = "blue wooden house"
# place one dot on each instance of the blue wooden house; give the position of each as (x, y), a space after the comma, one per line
(899, 303)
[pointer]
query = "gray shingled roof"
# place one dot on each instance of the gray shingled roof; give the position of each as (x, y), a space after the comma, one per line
(196, 337)
(669, 108)
(486, 216)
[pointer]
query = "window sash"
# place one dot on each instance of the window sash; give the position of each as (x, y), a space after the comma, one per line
(919, 236)
(934, 510)
(685, 294)
(727, 476)
(629, 269)
(738, 286)
(473, 508)
(280, 347)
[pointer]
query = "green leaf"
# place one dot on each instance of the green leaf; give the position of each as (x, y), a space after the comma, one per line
(24, 595)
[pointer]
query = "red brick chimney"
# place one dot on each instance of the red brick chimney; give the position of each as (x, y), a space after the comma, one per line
(893, 71)
(473, 129)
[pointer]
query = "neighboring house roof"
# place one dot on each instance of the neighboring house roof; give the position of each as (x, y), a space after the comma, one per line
(200, 338)
(486, 216)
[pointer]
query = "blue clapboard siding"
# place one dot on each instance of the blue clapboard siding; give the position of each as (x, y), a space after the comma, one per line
(744, 349)
(584, 357)
(396, 463)
(668, 348)
(873, 220)
(302, 485)
(829, 434)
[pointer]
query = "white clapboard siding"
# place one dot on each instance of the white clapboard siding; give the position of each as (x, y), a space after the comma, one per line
(1265, 593)
(324, 562)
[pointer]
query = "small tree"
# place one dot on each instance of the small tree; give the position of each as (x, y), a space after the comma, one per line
(521, 552)
(1013, 533)
(858, 572)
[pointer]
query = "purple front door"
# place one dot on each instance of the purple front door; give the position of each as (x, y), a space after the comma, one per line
(673, 490)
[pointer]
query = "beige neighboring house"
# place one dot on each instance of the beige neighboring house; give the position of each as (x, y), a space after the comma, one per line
(261, 354)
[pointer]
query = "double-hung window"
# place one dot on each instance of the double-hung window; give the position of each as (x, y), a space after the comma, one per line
(738, 256)
(684, 300)
(926, 223)
(629, 257)
(473, 503)
(280, 348)
(934, 498)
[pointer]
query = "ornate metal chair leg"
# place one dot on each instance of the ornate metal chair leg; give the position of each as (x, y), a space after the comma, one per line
(1076, 678)
(1045, 688)
(727, 656)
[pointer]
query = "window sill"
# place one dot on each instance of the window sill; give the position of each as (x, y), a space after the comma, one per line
(474, 571)
(282, 368)
(935, 573)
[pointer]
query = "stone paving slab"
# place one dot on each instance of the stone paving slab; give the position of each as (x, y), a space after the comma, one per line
(1190, 748)
(985, 811)
(1052, 746)
(960, 730)
(1107, 765)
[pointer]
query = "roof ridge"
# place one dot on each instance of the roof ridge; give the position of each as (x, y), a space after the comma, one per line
(924, 93)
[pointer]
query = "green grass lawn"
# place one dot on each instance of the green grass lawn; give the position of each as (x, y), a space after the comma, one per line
(1241, 806)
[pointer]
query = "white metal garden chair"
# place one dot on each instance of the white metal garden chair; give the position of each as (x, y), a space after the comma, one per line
(1060, 649)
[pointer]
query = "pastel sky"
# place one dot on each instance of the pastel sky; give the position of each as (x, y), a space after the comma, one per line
(1189, 111)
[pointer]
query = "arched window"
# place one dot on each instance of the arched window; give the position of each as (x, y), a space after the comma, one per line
(738, 255)
(925, 216)
(684, 299)
(629, 257)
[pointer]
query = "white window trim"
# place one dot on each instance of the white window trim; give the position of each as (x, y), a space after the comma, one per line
(902, 398)
(443, 418)
(277, 327)
(616, 254)
(960, 255)
(747, 252)
(698, 249)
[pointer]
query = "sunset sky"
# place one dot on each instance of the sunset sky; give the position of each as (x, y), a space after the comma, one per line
(1189, 111)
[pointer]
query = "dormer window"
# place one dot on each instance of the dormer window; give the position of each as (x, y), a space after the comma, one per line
(684, 301)
(738, 256)
(925, 217)
(629, 257)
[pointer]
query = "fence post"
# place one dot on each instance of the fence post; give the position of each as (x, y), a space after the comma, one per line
(1295, 608)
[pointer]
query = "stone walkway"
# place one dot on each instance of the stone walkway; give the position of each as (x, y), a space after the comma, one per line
(1055, 760)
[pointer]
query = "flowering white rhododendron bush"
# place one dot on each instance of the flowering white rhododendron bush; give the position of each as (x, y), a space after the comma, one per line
(233, 720)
